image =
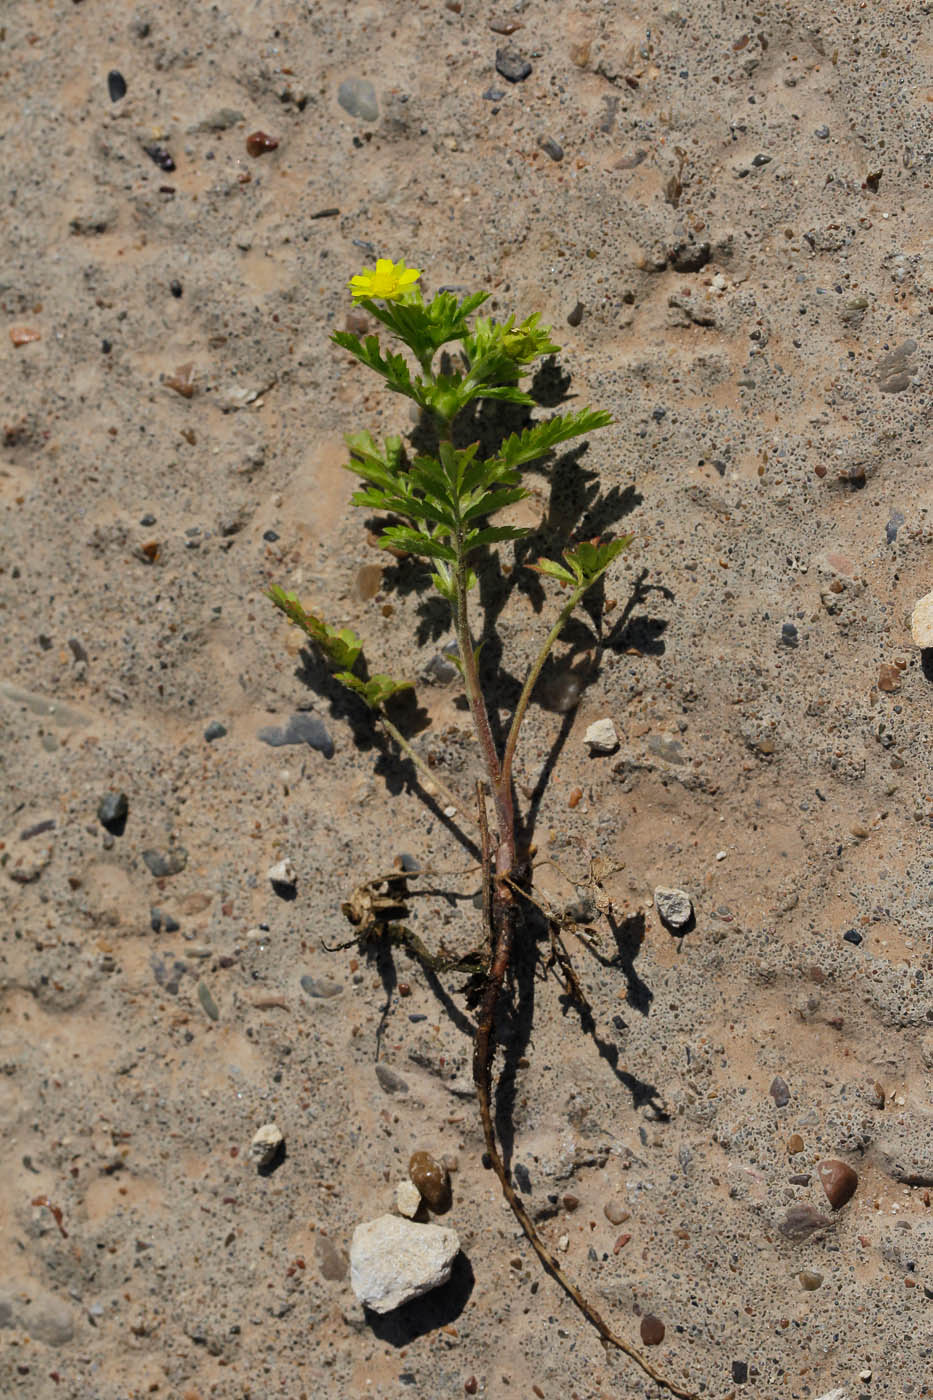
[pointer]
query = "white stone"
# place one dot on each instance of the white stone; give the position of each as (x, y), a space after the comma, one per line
(407, 1199)
(282, 873)
(921, 622)
(393, 1261)
(837, 1394)
(674, 907)
(602, 737)
(265, 1144)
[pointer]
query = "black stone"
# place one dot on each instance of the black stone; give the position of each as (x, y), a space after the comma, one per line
(147, 519)
(575, 316)
(116, 85)
(740, 1372)
(215, 730)
(159, 156)
(175, 287)
(788, 634)
(112, 811)
(511, 66)
(761, 160)
(852, 935)
(551, 148)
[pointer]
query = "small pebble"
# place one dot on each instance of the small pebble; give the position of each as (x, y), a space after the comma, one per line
(358, 97)
(652, 1330)
(258, 143)
(852, 935)
(838, 1180)
(116, 85)
(208, 1002)
(160, 922)
(794, 1144)
(512, 66)
(921, 622)
(779, 1092)
(822, 133)
(282, 873)
(162, 864)
(407, 1199)
(321, 988)
(674, 908)
(431, 1180)
(551, 148)
(215, 730)
(801, 1221)
(390, 1081)
(788, 634)
(112, 811)
(809, 1281)
(615, 1212)
(575, 316)
(160, 157)
(300, 729)
(740, 1372)
(268, 1142)
(601, 737)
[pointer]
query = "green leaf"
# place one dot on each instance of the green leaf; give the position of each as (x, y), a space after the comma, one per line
(591, 558)
(416, 542)
(495, 534)
(393, 368)
(494, 500)
(376, 691)
(540, 438)
(507, 392)
(342, 646)
(554, 570)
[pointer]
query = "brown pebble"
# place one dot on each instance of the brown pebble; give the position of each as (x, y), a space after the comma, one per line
(367, 583)
(620, 1243)
(801, 1221)
(794, 1144)
(257, 143)
(574, 797)
(809, 1280)
(431, 1180)
(571, 1203)
(150, 550)
(652, 1330)
(889, 677)
(24, 335)
(615, 1212)
(182, 381)
(470, 1385)
(838, 1180)
(404, 990)
(820, 471)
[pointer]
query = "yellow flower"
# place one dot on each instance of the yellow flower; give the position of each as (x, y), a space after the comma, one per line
(389, 282)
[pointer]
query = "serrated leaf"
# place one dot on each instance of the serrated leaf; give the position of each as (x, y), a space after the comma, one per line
(553, 569)
(539, 439)
(492, 501)
(375, 691)
(342, 645)
(416, 542)
(494, 534)
(508, 393)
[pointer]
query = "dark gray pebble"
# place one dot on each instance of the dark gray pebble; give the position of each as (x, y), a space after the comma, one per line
(320, 987)
(160, 922)
(270, 536)
(522, 1178)
(575, 316)
(779, 1092)
(116, 85)
(788, 634)
(112, 811)
(208, 1002)
(300, 729)
(801, 1221)
(164, 863)
(800, 1179)
(160, 157)
(175, 287)
(761, 160)
(852, 935)
(439, 670)
(740, 1372)
(493, 94)
(551, 148)
(895, 522)
(358, 97)
(391, 1082)
(215, 730)
(511, 66)
(37, 829)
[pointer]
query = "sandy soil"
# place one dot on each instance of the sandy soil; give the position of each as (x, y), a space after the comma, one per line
(742, 211)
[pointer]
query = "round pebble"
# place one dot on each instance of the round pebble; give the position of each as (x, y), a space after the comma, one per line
(258, 143)
(794, 1144)
(838, 1181)
(431, 1180)
(358, 97)
(652, 1330)
(809, 1280)
(615, 1212)
(779, 1092)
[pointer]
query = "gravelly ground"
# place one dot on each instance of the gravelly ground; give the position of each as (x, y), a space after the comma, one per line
(742, 210)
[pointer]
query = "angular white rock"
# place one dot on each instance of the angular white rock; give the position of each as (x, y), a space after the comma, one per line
(921, 622)
(674, 907)
(282, 873)
(407, 1199)
(393, 1261)
(265, 1144)
(838, 1394)
(602, 737)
